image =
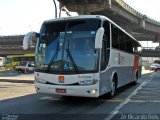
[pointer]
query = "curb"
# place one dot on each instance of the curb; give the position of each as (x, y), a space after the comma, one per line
(17, 81)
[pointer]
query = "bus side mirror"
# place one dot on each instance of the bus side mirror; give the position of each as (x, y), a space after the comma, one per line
(28, 39)
(99, 38)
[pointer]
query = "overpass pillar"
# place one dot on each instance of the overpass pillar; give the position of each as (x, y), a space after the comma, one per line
(108, 3)
(156, 39)
(143, 21)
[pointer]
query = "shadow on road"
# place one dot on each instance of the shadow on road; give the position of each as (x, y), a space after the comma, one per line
(33, 106)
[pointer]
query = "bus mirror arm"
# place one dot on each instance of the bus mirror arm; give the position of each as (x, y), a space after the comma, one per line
(28, 39)
(99, 38)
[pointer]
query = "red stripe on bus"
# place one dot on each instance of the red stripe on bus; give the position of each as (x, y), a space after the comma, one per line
(136, 61)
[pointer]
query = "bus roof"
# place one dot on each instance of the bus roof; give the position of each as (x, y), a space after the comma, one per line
(88, 17)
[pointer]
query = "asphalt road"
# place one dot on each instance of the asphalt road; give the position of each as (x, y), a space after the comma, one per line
(19, 101)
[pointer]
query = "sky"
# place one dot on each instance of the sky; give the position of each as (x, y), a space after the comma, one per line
(21, 16)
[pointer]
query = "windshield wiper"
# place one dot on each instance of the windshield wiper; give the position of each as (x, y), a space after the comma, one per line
(53, 56)
(72, 60)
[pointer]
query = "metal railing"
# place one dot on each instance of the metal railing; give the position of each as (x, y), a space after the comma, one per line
(148, 49)
(10, 47)
(136, 13)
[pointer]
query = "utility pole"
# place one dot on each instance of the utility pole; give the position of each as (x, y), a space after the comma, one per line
(55, 8)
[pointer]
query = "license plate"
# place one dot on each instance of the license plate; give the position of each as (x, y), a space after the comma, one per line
(59, 90)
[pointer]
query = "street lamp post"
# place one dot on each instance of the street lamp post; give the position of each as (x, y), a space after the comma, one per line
(55, 8)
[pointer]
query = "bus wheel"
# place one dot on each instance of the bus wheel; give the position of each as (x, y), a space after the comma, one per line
(113, 88)
(135, 79)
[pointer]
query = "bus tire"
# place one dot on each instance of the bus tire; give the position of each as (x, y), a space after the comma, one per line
(135, 79)
(113, 87)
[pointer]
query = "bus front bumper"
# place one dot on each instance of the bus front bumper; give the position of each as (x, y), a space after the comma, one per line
(79, 91)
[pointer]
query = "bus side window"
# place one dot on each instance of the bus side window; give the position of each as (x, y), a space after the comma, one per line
(115, 40)
(103, 56)
(122, 41)
(107, 33)
(129, 44)
(106, 45)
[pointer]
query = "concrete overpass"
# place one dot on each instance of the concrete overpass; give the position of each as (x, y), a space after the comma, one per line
(137, 24)
(4, 52)
(10, 45)
(150, 53)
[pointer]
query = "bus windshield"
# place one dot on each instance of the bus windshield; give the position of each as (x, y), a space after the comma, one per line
(68, 47)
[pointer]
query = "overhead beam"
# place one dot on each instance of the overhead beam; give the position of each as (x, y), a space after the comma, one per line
(16, 51)
(150, 53)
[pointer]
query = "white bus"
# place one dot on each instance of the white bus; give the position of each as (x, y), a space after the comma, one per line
(85, 56)
(2, 61)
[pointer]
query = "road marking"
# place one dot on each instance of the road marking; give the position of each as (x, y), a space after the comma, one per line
(152, 76)
(128, 99)
(125, 101)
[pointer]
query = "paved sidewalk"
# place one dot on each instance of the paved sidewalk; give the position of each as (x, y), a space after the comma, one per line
(24, 78)
(146, 71)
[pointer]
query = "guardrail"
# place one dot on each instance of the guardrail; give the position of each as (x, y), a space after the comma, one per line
(10, 47)
(149, 49)
(136, 13)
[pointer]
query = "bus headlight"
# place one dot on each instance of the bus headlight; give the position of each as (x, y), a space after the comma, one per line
(88, 82)
(39, 80)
